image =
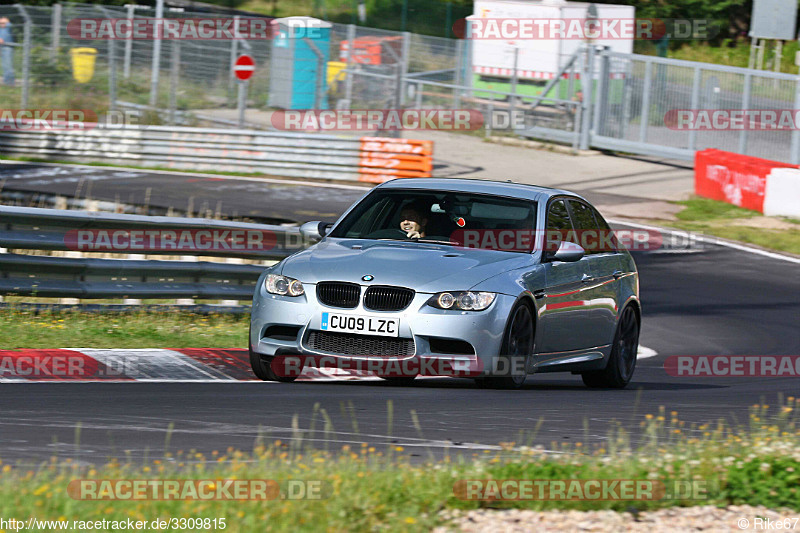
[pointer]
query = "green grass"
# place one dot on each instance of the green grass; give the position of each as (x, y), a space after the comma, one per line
(716, 218)
(26, 329)
(734, 56)
(707, 210)
(365, 489)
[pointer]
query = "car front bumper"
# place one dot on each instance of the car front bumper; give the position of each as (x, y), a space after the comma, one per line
(431, 329)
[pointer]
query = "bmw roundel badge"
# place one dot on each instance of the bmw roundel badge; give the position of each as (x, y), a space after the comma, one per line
(368, 277)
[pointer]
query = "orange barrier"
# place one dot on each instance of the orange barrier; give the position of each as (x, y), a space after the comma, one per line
(370, 50)
(383, 159)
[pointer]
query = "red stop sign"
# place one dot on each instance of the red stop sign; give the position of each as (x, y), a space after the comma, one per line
(244, 67)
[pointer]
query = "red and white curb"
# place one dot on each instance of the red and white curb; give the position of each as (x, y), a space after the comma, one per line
(144, 365)
(187, 365)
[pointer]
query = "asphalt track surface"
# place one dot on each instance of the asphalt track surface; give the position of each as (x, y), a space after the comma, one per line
(713, 301)
(267, 201)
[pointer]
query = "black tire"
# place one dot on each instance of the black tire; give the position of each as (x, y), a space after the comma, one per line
(622, 361)
(517, 343)
(399, 381)
(262, 368)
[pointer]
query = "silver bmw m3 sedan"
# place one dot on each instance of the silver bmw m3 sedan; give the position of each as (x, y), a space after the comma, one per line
(472, 278)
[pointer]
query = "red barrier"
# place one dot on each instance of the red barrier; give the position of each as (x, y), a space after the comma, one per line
(733, 178)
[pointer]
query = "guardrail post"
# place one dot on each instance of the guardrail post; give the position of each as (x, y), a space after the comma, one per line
(134, 301)
(71, 301)
(232, 261)
(187, 301)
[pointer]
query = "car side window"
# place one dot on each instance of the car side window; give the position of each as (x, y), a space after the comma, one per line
(608, 234)
(371, 218)
(559, 226)
(586, 226)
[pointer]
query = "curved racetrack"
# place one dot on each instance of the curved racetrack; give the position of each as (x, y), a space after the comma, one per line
(717, 300)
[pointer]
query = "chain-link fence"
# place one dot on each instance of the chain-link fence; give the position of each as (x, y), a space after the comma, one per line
(191, 81)
(642, 110)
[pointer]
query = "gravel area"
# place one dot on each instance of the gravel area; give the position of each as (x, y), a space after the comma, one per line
(677, 519)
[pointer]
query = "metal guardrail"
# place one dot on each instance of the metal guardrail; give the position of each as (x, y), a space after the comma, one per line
(23, 228)
(248, 151)
(32, 228)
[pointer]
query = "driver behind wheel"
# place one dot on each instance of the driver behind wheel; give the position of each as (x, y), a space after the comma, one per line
(413, 220)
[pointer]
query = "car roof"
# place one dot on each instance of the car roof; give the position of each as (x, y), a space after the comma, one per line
(481, 186)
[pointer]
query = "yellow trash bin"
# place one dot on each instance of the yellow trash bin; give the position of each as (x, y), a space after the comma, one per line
(335, 73)
(82, 63)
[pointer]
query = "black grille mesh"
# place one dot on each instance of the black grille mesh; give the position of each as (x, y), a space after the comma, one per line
(382, 298)
(338, 294)
(349, 344)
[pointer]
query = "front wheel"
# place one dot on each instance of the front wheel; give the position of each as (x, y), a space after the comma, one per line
(515, 352)
(622, 361)
(262, 368)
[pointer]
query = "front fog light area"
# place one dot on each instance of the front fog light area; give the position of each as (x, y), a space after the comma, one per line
(283, 286)
(462, 301)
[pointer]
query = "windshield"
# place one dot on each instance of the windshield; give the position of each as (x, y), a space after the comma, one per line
(454, 218)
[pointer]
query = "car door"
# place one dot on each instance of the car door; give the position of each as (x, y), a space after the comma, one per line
(601, 288)
(563, 321)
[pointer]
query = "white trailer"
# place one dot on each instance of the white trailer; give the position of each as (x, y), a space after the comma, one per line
(538, 59)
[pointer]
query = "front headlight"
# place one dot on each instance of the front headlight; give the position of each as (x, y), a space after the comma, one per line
(282, 285)
(462, 301)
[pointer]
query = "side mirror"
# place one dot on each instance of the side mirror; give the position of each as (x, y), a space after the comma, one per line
(568, 252)
(314, 231)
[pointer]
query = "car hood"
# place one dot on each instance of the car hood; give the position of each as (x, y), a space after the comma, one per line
(421, 266)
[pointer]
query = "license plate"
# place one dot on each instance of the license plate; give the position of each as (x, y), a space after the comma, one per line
(364, 325)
